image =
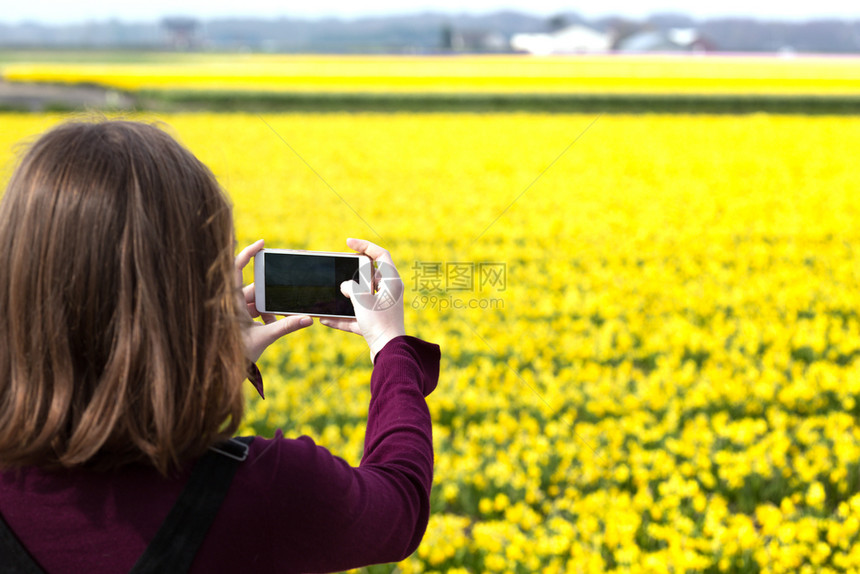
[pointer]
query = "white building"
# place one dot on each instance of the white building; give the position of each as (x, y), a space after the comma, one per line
(575, 39)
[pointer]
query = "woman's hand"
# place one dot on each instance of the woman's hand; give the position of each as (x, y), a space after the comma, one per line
(379, 315)
(257, 335)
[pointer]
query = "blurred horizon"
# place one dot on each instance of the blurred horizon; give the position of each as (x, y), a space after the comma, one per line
(443, 33)
(57, 13)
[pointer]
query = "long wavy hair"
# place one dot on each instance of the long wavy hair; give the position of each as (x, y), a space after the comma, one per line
(120, 332)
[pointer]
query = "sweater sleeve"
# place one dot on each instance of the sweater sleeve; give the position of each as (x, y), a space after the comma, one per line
(398, 443)
(331, 516)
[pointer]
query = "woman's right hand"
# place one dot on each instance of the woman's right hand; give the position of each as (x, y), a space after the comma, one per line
(378, 316)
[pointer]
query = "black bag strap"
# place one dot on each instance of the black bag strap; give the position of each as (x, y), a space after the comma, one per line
(13, 556)
(182, 532)
(180, 536)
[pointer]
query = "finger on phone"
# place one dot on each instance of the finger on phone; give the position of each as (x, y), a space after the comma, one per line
(268, 318)
(250, 293)
(372, 250)
(246, 254)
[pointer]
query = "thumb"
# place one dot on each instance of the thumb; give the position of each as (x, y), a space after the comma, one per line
(359, 298)
(261, 336)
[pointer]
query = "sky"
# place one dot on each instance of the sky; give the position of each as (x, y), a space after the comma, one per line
(65, 12)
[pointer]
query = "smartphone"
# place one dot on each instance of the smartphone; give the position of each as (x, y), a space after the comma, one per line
(294, 282)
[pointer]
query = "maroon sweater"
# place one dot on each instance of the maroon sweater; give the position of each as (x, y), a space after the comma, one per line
(292, 506)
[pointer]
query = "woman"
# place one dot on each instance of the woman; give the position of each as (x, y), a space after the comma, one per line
(124, 342)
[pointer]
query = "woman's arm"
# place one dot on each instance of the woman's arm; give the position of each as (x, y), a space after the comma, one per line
(325, 515)
(310, 511)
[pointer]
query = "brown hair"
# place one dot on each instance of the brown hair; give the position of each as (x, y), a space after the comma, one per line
(120, 338)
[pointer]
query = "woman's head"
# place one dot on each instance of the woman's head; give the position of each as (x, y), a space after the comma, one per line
(119, 331)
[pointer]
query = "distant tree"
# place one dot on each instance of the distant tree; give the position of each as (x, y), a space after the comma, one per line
(557, 22)
(621, 29)
(446, 40)
(181, 32)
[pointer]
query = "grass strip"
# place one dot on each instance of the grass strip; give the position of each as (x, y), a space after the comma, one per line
(176, 100)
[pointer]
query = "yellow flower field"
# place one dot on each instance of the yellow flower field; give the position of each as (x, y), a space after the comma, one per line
(650, 324)
(469, 74)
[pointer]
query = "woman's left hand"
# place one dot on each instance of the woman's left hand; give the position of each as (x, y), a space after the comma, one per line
(258, 336)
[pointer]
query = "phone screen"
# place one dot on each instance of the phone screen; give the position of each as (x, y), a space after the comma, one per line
(308, 283)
